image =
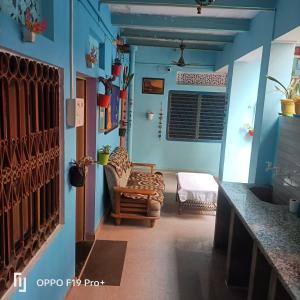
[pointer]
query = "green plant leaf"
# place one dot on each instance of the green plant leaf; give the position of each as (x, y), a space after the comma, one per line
(277, 81)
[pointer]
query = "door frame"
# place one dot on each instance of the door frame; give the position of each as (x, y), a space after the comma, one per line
(90, 150)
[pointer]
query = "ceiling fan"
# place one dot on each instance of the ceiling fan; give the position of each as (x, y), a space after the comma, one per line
(181, 61)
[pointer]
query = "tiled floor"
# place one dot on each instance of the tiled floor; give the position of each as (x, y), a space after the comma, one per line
(172, 261)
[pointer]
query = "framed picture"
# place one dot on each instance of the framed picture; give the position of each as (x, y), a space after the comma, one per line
(112, 112)
(153, 86)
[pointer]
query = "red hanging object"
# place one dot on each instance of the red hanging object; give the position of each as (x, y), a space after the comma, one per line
(116, 70)
(103, 100)
(123, 94)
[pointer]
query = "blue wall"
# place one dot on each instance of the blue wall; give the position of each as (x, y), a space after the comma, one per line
(242, 101)
(280, 66)
(88, 32)
(147, 147)
(58, 258)
(264, 28)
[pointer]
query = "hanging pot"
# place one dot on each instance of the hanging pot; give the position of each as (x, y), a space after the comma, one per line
(251, 132)
(116, 69)
(102, 158)
(122, 131)
(123, 94)
(287, 107)
(103, 100)
(77, 176)
(28, 36)
(124, 48)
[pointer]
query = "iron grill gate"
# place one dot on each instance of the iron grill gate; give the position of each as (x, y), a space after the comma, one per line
(196, 116)
(29, 160)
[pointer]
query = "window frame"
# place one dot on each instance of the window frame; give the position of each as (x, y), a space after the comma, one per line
(199, 93)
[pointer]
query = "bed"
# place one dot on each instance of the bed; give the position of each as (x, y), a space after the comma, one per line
(196, 190)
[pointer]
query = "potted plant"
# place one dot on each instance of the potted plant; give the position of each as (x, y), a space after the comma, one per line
(103, 155)
(127, 77)
(78, 170)
(116, 67)
(91, 58)
(250, 129)
(32, 27)
(287, 104)
(297, 105)
(104, 99)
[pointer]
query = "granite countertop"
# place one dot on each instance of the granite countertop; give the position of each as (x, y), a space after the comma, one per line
(274, 228)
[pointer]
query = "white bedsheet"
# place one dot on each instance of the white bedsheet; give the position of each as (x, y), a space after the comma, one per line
(197, 187)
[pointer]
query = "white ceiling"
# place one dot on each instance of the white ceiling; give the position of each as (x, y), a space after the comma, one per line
(183, 11)
(195, 37)
(291, 37)
(254, 55)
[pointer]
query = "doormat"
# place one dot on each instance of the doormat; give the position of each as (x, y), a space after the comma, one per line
(83, 249)
(105, 263)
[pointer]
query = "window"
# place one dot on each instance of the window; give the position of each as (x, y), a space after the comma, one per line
(194, 116)
(30, 167)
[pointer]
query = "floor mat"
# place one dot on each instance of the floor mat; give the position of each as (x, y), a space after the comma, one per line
(106, 262)
(82, 251)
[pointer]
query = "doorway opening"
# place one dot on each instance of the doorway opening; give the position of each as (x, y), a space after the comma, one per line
(86, 146)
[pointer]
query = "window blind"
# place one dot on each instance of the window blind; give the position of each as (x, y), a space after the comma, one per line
(196, 116)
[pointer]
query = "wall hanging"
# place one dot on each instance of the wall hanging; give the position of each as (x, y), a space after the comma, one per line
(91, 58)
(160, 124)
(112, 111)
(153, 86)
(32, 27)
(150, 115)
(201, 79)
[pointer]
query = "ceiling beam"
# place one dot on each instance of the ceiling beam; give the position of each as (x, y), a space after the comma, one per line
(232, 4)
(210, 23)
(172, 44)
(210, 38)
(188, 43)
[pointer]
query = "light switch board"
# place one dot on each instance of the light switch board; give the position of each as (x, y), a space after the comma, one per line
(75, 112)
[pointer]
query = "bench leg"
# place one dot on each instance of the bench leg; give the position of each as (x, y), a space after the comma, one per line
(152, 222)
(118, 221)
